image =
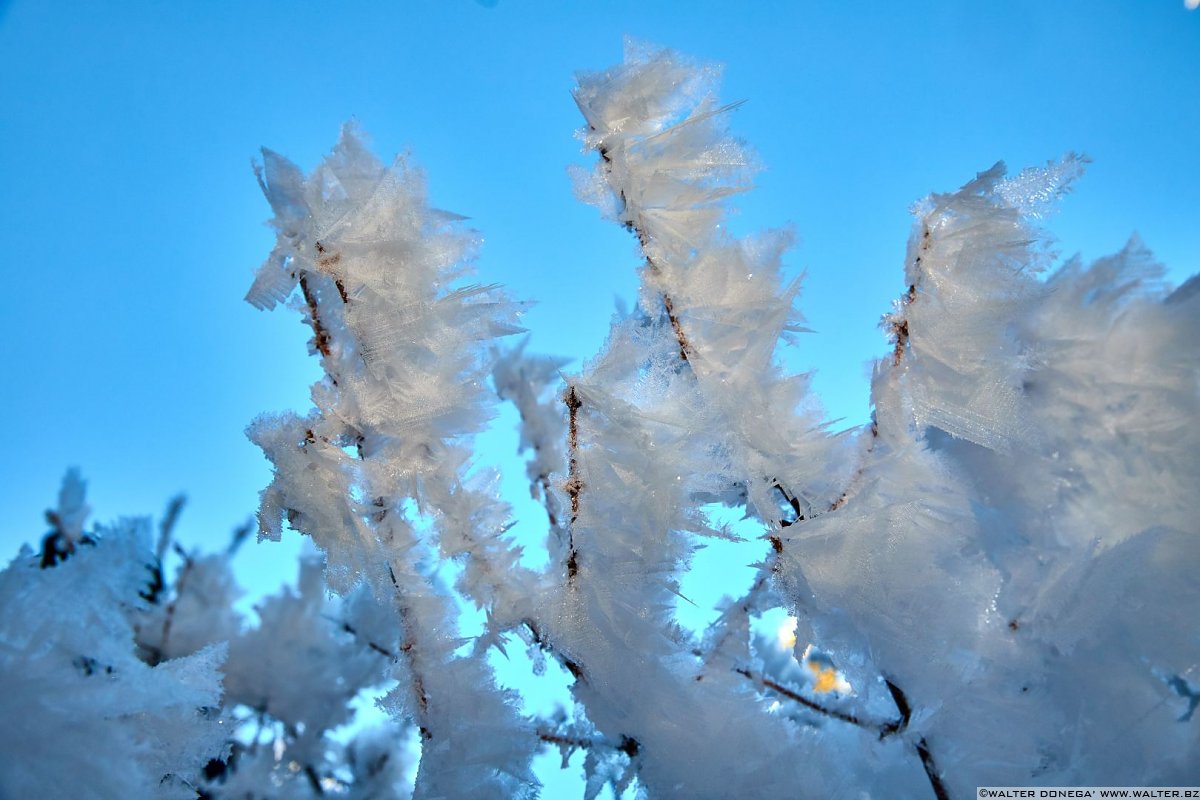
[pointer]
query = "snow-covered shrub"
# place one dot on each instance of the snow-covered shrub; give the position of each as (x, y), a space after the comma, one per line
(994, 582)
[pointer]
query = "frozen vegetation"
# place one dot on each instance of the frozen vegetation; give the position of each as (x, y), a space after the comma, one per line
(994, 582)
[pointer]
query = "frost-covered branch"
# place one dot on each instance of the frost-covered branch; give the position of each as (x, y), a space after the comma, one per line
(667, 169)
(76, 698)
(574, 483)
(523, 379)
(994, 582)
(404, 384)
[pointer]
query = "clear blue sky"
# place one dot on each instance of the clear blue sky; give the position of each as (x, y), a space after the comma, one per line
(130, 222)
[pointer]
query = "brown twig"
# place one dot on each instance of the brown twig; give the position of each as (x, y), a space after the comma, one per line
(407, 647)
(898, 323)
(574, 483)
(921, 746)
(327, 263)
(158, 653)
(883, 729)
(636, 228)
(812, 705)
(898, 326)
(680, 337)
(321, 337)
(931, 770)
(570, 665)
(578, 742)
(378, 648)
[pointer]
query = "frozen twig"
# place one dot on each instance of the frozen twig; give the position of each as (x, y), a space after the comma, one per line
(574, 482)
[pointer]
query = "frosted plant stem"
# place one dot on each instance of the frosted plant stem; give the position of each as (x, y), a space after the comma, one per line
(884, 729)
(921, 746)
(544, 482)
(669, 305)
(897, 325)
(156, 654)
(166, 528)
(576, 742)
(568, 664)
(407, 647)
(370, 645)
(158, 581)
(574, 483)
(321, 337)
(900, 333)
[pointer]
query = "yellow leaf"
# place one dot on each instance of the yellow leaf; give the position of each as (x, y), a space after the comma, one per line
(825, 679)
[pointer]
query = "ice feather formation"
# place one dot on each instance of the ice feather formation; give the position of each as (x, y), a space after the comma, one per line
(667, 166)
(402, 352)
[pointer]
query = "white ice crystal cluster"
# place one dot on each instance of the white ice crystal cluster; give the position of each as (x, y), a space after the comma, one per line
(993, 582)
(667, 166)
(120, 682)
(83, 714)
(963, 570)
(381, 458)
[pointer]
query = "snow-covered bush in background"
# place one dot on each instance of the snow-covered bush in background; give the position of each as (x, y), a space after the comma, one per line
(994, 582)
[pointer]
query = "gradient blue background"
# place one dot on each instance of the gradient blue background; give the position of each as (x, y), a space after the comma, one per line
(130, 222)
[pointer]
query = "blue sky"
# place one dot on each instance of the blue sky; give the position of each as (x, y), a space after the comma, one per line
(131, 223)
